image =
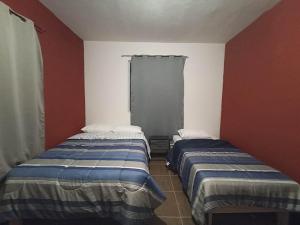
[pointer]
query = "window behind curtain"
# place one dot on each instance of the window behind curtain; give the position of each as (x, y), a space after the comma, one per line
(157, 89)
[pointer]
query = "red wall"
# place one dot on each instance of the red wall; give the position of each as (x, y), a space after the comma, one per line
(63, 71)
(261, 95)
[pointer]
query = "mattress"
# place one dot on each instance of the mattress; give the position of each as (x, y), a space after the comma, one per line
(216, 174)
(89, 175)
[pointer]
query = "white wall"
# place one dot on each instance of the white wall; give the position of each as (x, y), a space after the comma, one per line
(107, 81)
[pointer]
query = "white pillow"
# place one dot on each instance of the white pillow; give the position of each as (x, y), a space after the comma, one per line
(176, 138)
(193, 134)
(129, 128)
(93, 128)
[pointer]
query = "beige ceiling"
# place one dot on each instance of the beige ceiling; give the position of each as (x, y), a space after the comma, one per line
(158, 20)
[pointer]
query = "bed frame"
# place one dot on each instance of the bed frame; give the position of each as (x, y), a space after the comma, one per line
(282, 215)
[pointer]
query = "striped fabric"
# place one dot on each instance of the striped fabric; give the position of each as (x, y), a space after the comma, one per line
(220, 175)
(83, 178)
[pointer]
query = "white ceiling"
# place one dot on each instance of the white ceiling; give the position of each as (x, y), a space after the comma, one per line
(158, 20)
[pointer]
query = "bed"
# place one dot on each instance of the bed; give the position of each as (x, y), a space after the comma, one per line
(219, 178)
(89, 175)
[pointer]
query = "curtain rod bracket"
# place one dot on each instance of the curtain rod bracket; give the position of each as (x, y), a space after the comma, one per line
(39, 29)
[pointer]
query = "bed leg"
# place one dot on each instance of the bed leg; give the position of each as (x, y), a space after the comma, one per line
(283, 218)
(210, 218)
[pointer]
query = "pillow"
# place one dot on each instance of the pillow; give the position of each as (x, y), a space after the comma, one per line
(193, 134)
(129, 128)
(176, 138)
(93, 128)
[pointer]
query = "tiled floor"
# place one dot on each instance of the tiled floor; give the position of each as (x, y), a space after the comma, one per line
(176, 209)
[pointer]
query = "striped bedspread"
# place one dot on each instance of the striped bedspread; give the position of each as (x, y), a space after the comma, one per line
(83, 177)
(215, 174)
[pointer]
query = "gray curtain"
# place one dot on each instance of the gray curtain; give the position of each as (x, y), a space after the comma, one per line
(156, 99)
(21, 91)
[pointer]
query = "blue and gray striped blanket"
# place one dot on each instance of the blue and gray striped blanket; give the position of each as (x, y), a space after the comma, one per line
(83, 178)
(216, 174)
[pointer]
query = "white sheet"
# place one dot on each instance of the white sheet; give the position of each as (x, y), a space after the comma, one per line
(113, 135)
(177, 137)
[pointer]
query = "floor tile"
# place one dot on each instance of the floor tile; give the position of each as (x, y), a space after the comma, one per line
(157, 162)
(164, 221)
(169, 207)
(188, 221)
(164, 182)
(158, 157)
(158, 170)
(183, 204)
(172, 173)
(176, 183)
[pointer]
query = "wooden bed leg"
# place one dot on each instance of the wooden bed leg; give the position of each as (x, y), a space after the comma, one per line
(210, 218)
(283, 218)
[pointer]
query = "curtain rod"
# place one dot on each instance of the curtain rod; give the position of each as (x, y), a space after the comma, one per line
(154, 55)
(39, 29)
